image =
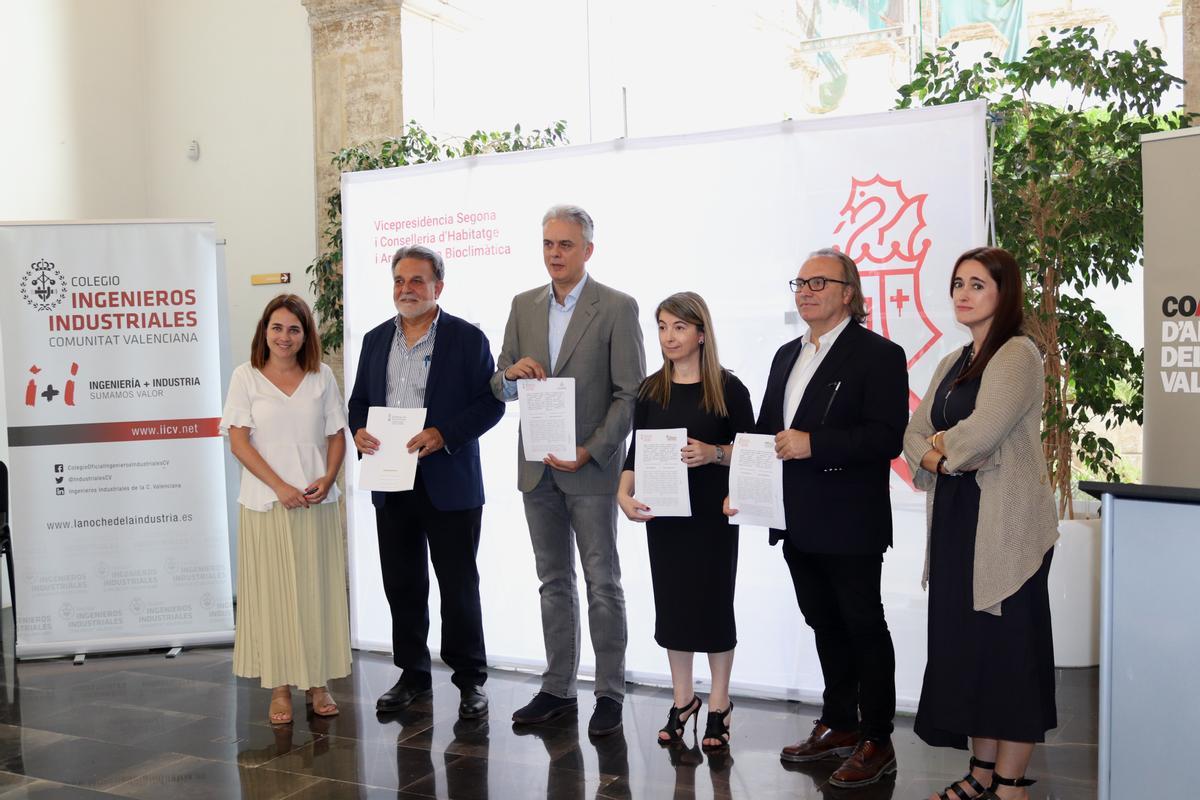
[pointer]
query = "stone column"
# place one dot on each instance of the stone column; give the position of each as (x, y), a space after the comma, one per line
(356, 80)
(356, 88)
(1191, 55)
(356, 95)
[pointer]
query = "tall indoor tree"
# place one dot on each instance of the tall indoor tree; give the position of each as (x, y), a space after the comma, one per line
(1066, 121)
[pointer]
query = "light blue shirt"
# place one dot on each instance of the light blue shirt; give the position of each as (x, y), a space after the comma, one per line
(560, 318)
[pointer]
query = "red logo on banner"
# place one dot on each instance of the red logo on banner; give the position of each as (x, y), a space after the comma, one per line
(49, 392)
(880, 229)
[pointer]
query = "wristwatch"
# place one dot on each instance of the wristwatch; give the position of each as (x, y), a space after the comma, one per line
(720, 454)
(941, 463)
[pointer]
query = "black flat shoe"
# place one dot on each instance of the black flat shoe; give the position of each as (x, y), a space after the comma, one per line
(474, 703)
(544, 707)
(401, 696)
(606, 718)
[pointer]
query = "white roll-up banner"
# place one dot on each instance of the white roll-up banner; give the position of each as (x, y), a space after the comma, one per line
(730, 215)
(116, 467)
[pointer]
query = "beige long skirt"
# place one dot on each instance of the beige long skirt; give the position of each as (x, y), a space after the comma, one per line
(293, 624)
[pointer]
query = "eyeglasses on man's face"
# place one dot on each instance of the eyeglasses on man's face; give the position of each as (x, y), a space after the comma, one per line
(816, 283)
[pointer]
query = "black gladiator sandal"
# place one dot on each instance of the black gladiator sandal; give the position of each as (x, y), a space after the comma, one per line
(969, 779)
(997, 780)
(675, 726)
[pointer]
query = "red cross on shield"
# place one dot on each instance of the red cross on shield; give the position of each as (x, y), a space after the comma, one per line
(880, 228)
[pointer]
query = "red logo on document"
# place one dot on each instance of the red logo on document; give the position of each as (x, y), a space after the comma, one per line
(880, 229)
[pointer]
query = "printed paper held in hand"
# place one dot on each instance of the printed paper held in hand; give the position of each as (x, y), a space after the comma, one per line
(547, 418)
(756, 482)
(391, 468)
(660, 477)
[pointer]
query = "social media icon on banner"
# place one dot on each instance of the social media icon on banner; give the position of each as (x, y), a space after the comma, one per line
(60, 490)
(58, 468)
(58, 480)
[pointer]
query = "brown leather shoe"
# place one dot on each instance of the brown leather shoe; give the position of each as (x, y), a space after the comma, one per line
(823, 742)
(869, 762)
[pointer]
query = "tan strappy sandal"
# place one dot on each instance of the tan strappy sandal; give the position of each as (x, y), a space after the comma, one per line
(326, 709)
(279, 712)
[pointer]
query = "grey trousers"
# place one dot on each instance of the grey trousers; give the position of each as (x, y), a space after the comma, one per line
(553, 517)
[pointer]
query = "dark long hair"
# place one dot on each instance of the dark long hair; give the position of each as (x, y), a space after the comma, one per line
(309, 357)
(1009, 318)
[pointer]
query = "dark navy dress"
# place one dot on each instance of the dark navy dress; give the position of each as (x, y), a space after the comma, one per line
(986, 676)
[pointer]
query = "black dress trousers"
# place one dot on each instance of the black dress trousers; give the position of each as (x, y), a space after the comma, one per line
(840, 599)
(412, 533)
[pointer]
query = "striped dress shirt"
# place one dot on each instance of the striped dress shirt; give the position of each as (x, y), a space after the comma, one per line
(408, 367)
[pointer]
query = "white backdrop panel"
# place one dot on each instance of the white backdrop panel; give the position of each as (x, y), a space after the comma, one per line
(730, 215)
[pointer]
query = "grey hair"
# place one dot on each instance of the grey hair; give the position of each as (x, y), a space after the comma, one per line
(572, 214)
(858, 305)
(425, 254)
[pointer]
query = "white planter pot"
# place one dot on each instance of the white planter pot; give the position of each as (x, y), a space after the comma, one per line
(1075, 593)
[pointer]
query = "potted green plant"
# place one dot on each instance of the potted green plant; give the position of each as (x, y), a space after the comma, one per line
(1066, 122)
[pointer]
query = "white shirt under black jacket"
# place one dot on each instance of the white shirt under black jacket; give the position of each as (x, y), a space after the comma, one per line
(806, 365)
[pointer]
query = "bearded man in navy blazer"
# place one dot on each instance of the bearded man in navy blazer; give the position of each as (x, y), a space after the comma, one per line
(837, 404)
(427, 358)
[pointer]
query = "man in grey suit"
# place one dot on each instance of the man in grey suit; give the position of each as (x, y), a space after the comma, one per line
(576, 328)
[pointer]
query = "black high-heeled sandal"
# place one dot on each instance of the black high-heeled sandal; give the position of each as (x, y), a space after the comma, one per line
(717, 727)
(998, 780)
(970, 780)
(675, 726)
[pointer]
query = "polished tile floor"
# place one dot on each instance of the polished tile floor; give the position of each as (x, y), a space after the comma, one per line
(147, 727)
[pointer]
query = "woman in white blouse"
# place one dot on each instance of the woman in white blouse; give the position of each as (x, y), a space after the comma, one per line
(285, 421)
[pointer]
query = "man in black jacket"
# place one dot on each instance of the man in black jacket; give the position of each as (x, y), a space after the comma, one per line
(837, 404)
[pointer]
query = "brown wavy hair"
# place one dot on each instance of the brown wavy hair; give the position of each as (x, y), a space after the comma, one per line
(691, 308)
(1009, 319)
(309, 357)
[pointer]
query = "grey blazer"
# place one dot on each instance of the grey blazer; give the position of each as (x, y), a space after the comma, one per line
(602, 350)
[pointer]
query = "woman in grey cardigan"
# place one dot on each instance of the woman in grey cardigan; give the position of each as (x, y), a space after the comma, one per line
(974, 445)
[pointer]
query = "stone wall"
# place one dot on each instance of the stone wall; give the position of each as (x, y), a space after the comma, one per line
(1191, 54)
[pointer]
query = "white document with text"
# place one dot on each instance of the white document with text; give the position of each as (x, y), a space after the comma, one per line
(547, 418)
(391, 468)
(660, 478)
(756, 482)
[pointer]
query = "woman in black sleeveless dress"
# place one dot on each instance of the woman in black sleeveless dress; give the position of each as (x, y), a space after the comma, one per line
(693, 560)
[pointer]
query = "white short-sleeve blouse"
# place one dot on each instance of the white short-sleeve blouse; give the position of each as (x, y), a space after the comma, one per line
(290, 433)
